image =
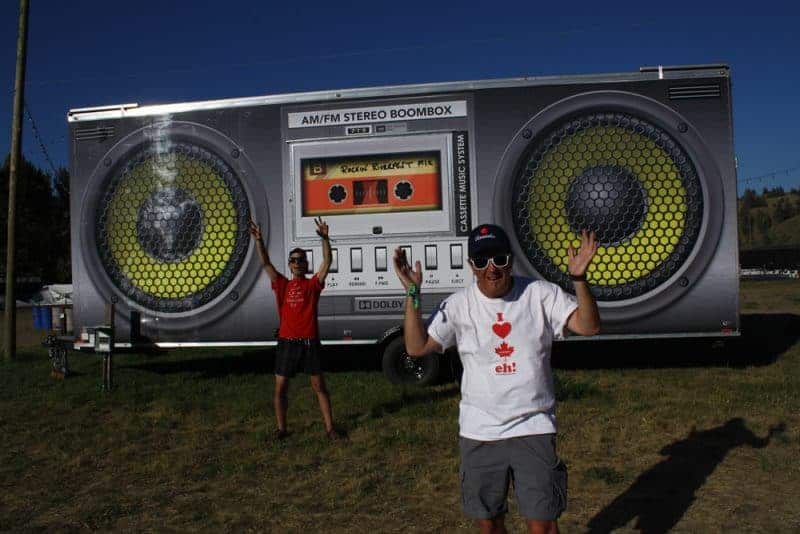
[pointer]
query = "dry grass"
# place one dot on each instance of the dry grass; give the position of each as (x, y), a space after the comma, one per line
(27, 337)
(770, 296)
(676, 440)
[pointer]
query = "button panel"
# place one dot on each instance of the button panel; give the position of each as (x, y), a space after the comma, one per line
(370, 268)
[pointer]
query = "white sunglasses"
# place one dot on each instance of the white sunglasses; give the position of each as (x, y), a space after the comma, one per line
(500, 261)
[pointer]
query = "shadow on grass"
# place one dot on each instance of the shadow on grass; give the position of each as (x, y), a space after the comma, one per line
(408, 397)
(764, 338)
(335, 359)
(343, 358)
(659, 498)
(256, 362)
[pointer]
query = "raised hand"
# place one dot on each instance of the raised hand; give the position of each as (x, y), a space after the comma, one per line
(404, 272)
(255, 230)
(579, 260)
(322, 228)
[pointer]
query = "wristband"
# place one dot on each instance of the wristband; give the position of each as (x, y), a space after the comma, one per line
(581, 278)
(413, 292)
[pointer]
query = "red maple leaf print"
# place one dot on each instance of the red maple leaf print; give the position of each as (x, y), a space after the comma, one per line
(504, 350)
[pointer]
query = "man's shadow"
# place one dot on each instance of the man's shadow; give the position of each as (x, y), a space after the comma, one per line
(764, 338)
(662, 494)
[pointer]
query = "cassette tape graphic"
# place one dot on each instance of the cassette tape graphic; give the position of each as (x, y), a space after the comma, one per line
(372, 183)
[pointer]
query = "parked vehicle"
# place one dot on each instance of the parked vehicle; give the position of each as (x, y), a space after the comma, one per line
(162, 196)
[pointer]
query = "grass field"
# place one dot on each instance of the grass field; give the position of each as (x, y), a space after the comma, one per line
(685, 436)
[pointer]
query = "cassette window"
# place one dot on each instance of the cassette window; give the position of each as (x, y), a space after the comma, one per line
(374, 183)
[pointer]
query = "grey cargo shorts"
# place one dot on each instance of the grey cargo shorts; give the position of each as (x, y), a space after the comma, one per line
(530, 463)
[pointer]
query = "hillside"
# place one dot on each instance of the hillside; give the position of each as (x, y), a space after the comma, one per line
(769, 218)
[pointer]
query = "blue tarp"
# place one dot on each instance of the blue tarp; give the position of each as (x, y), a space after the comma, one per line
(42, 318)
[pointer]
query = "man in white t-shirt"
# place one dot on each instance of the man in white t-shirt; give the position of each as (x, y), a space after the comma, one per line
(503, 327)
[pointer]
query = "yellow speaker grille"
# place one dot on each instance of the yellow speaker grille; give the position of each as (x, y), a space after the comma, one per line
(171, 227)
(624, 178)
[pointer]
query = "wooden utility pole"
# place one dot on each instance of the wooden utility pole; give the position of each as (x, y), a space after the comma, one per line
(10, 327)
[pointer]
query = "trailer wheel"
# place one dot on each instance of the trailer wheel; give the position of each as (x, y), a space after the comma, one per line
(400, 368)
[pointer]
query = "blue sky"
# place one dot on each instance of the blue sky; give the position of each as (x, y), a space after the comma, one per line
(88, 53)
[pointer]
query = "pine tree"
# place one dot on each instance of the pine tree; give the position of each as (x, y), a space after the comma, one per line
(42, 226)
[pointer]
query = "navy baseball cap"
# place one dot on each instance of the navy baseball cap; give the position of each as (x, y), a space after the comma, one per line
(487, 240)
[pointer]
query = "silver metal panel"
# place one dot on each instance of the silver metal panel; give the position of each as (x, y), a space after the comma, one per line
(674, 335)
(118, 112)
(254, 139)
(299, 227)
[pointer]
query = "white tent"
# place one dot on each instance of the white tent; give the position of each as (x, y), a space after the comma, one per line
(53, 294)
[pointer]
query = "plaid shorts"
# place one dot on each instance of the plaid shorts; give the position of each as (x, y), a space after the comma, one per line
(297, 355)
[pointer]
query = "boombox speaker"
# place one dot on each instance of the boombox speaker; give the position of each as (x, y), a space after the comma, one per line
(162, 197)
(635, 172)
(164, 225)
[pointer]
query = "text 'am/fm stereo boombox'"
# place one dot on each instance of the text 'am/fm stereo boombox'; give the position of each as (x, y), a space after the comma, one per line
(162, 196)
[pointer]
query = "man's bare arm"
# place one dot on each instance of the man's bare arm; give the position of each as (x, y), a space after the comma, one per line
(417, 340)
(322, 232)
(255, 232)
(585, 320)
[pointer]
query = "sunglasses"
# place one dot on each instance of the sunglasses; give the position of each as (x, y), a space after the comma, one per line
(500, 260)
(297, 259)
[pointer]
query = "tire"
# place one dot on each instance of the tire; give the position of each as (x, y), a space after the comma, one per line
(400, 368)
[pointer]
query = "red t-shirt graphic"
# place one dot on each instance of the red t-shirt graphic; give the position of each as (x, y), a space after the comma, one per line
(297, 305)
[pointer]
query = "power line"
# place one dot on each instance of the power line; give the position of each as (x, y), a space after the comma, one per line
(39, 139)
(335, 55)
(770, 176)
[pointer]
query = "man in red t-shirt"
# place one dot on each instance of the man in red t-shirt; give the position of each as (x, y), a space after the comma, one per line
(298, 337)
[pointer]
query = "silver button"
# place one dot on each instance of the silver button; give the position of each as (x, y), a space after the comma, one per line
(409, 259)
(356, 265)
(310, 263)
(456, 256)
(431, 261)
(380, 259)
(334, 268)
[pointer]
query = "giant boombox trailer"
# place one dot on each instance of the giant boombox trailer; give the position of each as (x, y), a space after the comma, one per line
(162, 196)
